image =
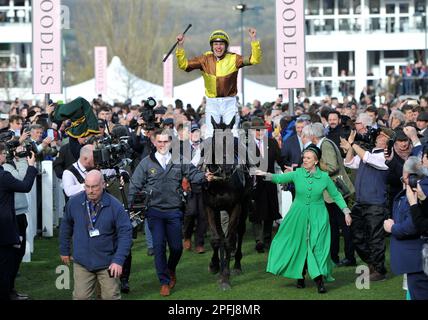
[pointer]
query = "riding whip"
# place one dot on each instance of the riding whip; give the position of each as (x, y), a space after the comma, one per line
(173, 47)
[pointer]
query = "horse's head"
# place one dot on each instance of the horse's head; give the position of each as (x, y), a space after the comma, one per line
(223, 154)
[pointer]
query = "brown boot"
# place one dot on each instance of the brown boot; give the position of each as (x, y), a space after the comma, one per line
(172, 279)
(164, 290)
(187, 244)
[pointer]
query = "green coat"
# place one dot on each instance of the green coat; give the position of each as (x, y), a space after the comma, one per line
(305, 230)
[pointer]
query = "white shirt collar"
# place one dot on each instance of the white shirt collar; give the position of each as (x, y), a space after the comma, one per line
(159, 157)
(320, 142)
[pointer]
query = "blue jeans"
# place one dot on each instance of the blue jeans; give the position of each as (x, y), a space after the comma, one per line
(149, 238)
(166, 227)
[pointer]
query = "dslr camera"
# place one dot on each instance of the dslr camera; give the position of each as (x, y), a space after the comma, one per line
(13, 144)
(368, 137)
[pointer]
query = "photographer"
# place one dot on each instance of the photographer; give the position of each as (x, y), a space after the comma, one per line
(369, 211)
(67, 155)
(400, 152)
(73, 177)
(417, 198)
(10, 239)
(18, 167)
(160, 176)
(42, 147)
(406, 243)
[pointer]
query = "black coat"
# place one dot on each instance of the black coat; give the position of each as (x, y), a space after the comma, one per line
(265, 194)
(290, 151)
(8, 186)
(66, 157)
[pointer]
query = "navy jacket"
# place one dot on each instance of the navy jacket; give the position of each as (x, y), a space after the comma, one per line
(370, 184)
(8, 186)
(111, 246)
(406, 245)
(290, 151)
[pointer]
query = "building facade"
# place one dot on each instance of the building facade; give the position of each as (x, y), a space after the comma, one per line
(355, 44)
(15, 47)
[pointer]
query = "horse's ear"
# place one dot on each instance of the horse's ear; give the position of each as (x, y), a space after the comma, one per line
(215, 124)
(232, 123)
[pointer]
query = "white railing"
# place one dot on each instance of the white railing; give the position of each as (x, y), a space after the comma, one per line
(52, 207)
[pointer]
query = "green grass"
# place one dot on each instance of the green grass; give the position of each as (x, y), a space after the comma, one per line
(38, 277)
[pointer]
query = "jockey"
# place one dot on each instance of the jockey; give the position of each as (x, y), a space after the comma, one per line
(220, 71)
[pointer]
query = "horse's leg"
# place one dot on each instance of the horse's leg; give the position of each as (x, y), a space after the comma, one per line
(214, 265)
(241, 228)
(230, 244)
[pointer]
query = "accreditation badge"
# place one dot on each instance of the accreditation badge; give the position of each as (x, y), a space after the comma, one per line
(94, 233)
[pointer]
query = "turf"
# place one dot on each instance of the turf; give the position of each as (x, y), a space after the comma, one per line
(38, 279)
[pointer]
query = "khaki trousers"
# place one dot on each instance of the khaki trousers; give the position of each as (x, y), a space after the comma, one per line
(85, 282)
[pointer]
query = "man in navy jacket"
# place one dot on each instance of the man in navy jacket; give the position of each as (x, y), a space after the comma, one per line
(102, 238)
(9, 236)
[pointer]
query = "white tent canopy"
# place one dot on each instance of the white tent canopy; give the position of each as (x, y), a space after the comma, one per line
(121, 85)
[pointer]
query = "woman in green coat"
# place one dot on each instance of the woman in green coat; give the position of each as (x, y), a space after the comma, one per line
(303, 239)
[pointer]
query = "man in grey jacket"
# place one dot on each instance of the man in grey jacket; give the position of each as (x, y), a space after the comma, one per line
(159, 177)
(18, 168)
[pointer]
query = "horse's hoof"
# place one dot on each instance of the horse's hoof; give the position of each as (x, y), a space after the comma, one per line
(236, 272)
(225, 286)
(214, 269)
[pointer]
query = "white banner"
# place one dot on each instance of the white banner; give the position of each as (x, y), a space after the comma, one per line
(290, 44)
(168, 77)
(100, 70)
(47, 54)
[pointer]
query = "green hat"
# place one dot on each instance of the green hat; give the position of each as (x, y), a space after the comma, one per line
(79, 111)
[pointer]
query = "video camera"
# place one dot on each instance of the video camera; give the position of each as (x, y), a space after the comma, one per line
(111, 152)
(13, 144)
(148, 115)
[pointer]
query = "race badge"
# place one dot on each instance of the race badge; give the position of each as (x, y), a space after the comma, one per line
(153, 171)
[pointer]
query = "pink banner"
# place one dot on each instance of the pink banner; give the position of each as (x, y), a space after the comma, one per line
(47, 62)
(238, 50)
(100, 70)
(168, 77)
(290, 44)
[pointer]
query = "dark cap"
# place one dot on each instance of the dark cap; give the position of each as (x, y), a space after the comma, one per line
(423, 116)
(400, 135)
(194, 127)
(314, 149)
(101, 123)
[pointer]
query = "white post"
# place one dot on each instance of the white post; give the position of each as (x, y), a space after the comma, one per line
(32, 222)
(361, 71)
(47, 195)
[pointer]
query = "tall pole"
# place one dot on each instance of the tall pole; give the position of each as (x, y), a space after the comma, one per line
(426, 57)
(243, 53)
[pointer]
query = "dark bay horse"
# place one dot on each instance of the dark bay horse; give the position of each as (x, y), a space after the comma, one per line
(229, 192)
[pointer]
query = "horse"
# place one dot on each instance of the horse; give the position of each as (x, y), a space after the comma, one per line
(230, 192)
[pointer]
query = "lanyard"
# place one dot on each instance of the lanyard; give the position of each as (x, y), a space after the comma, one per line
(93, 212)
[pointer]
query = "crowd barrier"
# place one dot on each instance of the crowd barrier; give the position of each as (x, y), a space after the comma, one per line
(51, 198)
